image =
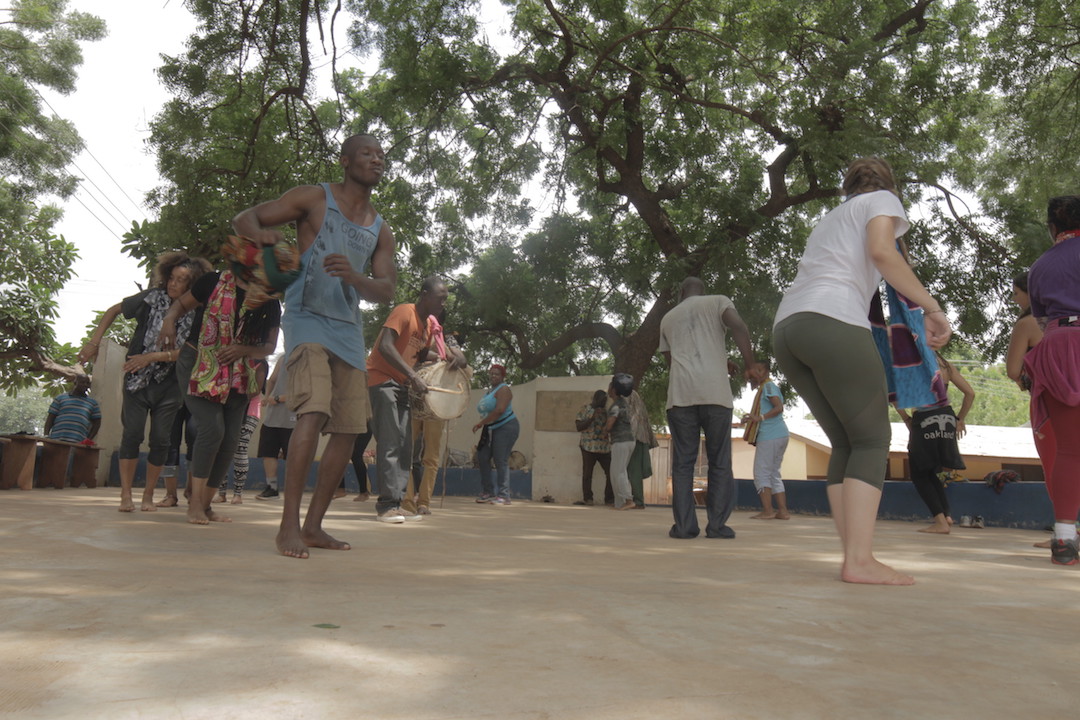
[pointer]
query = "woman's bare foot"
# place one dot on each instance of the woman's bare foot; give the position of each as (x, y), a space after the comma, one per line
(148, 506)
(782, 516)
(126, 505)
(763, 516)
(214, 517)
(237, 500)
(874, 573)
(289, 544)
(197, 515)
(1043, 544)
(169, 501)
(219, 498)
(339, 493)
(362, 497)
(321, 539)
(940, 526)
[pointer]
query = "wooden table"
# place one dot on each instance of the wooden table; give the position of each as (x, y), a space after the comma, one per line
(20, 456)
(55, 458)
(84, 468)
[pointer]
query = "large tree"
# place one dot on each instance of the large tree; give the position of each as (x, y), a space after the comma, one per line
(566, 164)
(39, 48)
(671, 139)
(244, 123)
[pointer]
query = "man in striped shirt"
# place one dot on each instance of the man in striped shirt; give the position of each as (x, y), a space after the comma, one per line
(74, 416)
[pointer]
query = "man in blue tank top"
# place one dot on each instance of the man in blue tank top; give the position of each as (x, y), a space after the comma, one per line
(340, 235)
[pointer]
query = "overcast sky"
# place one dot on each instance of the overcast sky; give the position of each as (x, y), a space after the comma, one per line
(117, 95)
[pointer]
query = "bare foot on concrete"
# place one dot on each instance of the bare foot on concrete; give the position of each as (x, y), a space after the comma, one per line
(362, 497)
(197, 515)
(321, 539)
(874, 573)
(148, 506)
(1043, 544)
(218, 498)
(237, 500)
(126, 505)
(339, 493)
(936, 528)
(214, 517)
(169, 501)
(783, 516)
(289, 544)
(763, 516)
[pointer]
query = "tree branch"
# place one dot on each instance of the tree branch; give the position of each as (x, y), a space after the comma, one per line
(916, 14)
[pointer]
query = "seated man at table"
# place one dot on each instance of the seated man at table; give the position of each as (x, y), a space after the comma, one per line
(74, 416)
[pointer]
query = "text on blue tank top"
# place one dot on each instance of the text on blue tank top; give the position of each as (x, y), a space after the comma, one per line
(326, 295)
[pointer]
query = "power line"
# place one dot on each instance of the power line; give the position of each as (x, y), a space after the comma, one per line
(86, 175)
(111, 231)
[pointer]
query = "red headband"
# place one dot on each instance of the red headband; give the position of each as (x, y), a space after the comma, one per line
(497, 366)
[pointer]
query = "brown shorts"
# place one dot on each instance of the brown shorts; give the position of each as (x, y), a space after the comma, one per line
(321, 382)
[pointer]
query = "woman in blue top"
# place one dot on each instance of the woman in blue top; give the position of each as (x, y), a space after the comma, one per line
(772, 442)
(501, 430)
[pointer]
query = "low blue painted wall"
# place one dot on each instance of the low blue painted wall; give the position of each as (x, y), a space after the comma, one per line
(1020, 505)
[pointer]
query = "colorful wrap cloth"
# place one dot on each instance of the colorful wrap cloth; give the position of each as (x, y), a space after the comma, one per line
(158, 303)
(1054, 367)
(911, 368)
(268, 271)
(210, 378)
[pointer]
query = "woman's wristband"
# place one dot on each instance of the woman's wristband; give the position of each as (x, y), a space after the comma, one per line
(931, 312)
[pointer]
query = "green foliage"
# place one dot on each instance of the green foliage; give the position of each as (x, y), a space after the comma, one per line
(1033, 60)
(242, 127)
(39, 47)
(566, 174)
(34, 266)
(998, 400)
(701, 138)
(25, 411)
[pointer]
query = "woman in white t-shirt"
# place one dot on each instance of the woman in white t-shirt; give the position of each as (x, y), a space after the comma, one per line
(824, 346)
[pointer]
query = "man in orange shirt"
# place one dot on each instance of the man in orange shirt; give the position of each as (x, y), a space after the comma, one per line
(403, 343)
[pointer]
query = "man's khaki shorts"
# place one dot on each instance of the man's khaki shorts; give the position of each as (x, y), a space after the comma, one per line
(321, 382)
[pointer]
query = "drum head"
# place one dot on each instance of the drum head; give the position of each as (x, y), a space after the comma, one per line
(435, 405)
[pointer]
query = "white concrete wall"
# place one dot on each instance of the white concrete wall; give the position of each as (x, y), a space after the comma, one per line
(107, 389)
(554, 457)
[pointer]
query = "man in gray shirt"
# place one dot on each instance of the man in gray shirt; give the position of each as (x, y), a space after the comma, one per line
(699, 399)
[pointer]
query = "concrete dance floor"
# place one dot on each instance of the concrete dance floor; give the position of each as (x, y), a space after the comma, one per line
(524, 612)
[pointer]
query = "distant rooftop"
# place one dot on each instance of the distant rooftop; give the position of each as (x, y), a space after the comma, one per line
(986, 441)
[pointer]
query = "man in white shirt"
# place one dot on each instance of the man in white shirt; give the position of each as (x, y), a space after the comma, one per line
(699, 399)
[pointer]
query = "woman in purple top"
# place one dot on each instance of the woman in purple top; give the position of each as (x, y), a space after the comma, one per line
(1054, 368)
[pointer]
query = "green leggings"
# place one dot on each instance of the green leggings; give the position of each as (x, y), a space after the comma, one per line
(837, 370)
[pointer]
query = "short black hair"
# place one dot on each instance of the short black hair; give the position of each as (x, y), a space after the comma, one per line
(430, 283)
(1064, 212)
(349, 146)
